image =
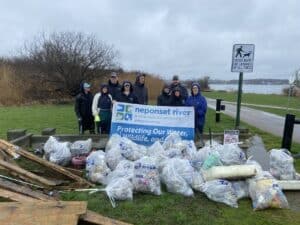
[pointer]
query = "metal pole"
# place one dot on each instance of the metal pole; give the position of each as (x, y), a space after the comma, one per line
(218, 109)
(239, 100)
(288, 131)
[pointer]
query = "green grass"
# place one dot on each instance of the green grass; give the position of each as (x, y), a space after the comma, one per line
(147, 209)
(261, 99)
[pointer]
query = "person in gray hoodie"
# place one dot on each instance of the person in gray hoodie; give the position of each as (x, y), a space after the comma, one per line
(140, 90)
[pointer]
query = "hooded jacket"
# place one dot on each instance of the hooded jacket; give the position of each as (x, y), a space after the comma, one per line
(83, 104)
(101, 101)
(177, 101)
(165, 98)
(114, 89)
(183, 90)
(140, 91)
(200, 106)
(122, 97)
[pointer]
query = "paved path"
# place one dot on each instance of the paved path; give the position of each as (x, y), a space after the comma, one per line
(268, 122)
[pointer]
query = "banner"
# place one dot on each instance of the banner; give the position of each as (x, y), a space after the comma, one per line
(145, 124)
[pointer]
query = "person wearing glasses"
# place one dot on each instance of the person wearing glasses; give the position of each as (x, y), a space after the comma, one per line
(126, 94)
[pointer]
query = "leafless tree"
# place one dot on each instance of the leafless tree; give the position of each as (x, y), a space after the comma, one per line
(65, 59)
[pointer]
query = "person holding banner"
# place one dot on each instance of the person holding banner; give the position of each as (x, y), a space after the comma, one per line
(200, 106)
(102, 110)
(83, 109)
(126, 94)
(176, 98)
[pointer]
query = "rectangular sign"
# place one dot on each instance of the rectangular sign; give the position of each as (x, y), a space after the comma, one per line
(242, 58)
(231, 136)
(145, 124)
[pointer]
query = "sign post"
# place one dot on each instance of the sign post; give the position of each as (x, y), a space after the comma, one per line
(242, 61)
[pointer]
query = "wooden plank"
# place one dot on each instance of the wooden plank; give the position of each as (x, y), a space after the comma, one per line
(8, 185)
(41, 213)
(6, 146)
(98, 219)
(15, 196)
(26, 173)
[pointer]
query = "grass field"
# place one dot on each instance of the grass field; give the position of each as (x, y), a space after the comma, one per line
(261, 99)
(147, 209)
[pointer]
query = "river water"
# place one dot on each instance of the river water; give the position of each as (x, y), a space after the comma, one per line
(251, 88)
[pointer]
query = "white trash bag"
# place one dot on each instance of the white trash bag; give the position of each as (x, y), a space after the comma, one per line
(174, 182)
(113, 141)
(81, 147)
(221, 191)
(131, 150)
(241, 189)
(96, 167)
(158, 153)
(231, 154)
(113, 157)
(171, 140)
(266, 193)
(282, 164)
(119, 189)
(125, 169)
(146, 176)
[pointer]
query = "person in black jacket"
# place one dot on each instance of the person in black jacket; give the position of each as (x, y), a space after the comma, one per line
(176, 84)
(114, 88)
(140, 90)
(126, 94)
(176, 98)
(83, 109)
(165, 98)
(102, 107)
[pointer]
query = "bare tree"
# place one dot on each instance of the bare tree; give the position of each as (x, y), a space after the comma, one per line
(63, 60)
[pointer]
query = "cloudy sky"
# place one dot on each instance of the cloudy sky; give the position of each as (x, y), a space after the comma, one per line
(191, 38)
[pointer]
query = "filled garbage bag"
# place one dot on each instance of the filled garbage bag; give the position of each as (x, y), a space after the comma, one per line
(175, 183)
(231, 154)
(146, 176)
(241, 189)
(81, 147)
(113, 157)
(57, 152)
(119, 189)
(265, 192)
(131, 150)
(171, 140)
(221, 191)
(96, 167)
(282, 164)
(125, 169)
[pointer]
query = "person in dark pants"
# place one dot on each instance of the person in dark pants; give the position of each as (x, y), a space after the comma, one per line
(140, 90)
(176, 98)
(176, 84)
(102, 110)
(165, 98)
(83, 109)
(126, 94)
(114, 88)
(200, 106)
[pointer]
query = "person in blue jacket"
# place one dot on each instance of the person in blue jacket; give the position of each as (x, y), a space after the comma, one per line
(200, 106)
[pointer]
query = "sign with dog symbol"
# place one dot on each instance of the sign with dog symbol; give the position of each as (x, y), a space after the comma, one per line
(242, 58)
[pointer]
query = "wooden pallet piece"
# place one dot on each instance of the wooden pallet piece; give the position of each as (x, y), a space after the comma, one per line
(39, 212)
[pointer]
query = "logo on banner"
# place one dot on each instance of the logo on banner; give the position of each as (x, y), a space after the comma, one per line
(124, 112)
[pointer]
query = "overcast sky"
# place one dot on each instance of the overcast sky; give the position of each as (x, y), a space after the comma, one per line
(189, 38)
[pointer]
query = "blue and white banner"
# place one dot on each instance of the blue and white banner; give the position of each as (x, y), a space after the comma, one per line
(145, 124)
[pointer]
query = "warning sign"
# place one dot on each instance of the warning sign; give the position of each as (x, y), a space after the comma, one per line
(242, 58)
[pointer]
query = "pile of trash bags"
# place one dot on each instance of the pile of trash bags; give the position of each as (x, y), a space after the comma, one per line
(61, 153)
(221, 172)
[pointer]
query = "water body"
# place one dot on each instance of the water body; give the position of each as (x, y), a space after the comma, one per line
(251, 88)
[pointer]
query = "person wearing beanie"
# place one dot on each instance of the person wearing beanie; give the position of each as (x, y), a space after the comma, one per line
(176, 84)
(165, 98)
(83, 109)
(102, 110)
(126, 94)
(176, 98)
(140, 90)
(114, 88)
(199, 103)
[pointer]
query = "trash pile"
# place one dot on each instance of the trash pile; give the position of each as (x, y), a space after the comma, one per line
(221, 172)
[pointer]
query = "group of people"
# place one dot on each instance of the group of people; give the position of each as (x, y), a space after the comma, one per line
(97, 110)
